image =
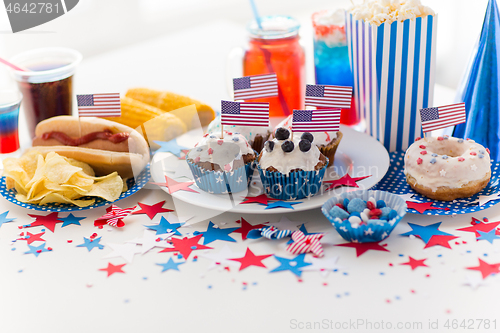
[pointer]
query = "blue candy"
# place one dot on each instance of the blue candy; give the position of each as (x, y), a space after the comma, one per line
(480, 155)
(345, 202)
(356, 205)
(392, 214)
(336, 211)
(460, 140)
(444, 157)
(380, 204)
(434, 155)
(432, 161)
(385, 211)
(356, 214)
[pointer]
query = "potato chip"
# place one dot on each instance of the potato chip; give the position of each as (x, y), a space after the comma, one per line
(56, 197)
(109, 189)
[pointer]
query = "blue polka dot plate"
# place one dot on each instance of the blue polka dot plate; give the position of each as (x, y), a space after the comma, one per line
(395, 182)
(133, 186)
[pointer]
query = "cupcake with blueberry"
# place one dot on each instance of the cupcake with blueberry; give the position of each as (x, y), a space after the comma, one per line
(291, 168)
(255, 135)
(222, 165)
(327, 142)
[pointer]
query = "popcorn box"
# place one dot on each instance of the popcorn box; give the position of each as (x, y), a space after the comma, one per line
(393, 65)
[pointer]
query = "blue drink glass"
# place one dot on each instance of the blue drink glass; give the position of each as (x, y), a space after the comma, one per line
(10, 100)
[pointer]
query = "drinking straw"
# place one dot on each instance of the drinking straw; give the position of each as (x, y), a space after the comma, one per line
(11, 65)
(256, 13)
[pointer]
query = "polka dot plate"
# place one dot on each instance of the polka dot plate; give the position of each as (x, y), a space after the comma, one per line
(395, 182)
(133, 186)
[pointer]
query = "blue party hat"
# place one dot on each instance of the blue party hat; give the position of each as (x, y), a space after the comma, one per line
(480, 89)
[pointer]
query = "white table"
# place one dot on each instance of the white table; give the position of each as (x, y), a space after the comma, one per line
(64, 291)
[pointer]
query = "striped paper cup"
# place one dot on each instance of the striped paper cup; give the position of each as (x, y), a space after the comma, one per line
(393, 67)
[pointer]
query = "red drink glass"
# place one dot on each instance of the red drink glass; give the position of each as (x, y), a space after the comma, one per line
(275, 49)
(10, 100)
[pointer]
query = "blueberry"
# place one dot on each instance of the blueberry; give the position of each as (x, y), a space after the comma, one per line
(236, 139)
(269, 146)
(307, 136)
(282, 133)
(287, 146)
(304, 145)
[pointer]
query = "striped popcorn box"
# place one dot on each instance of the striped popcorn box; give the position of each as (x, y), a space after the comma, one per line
(393, 65)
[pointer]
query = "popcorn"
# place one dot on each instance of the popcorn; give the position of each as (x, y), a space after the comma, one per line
(388, 11)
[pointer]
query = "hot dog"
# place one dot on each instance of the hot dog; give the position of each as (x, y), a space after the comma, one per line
(105, 145)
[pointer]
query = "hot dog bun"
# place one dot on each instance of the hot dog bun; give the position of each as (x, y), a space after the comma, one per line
(128, 158)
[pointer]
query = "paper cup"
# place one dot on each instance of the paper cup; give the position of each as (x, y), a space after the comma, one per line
(393, 67)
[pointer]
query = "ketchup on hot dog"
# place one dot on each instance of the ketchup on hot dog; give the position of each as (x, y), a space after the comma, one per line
(69, 141)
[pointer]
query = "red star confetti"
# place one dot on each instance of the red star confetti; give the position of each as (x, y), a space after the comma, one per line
(485, 268)
(306, 243)
(422, 207)
(260, 199)
(114, 216)
(480, 226)
(246, 227)
(30, 238)
(174, 186)
(186, 245)
(363, 247)
(251, 259)
(152, 210)
(414, 263)
(112, 269)
(441, 240)
(184, 154)
(48, 221)
(345, 180)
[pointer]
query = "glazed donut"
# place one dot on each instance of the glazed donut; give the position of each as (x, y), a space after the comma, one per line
(447, 168)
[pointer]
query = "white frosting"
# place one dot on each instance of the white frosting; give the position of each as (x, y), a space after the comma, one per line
(249, 132)
(443, 161)
(320, 138)
(388, 11)
(285, 162)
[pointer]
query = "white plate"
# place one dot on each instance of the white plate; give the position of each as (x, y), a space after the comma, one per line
(359, 154)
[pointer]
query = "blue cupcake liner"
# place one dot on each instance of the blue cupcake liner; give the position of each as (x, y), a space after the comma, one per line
(221, 181)
(293, 186)
(371, 232)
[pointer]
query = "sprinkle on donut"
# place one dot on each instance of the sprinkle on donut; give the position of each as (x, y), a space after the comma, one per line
(423, 152)
(421, 147)
(419, 160)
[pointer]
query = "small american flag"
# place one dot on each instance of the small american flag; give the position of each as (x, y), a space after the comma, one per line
(323, 120)
(99, 105)
(328, 96)
(443, 116)
(245, 113)
(257, 86)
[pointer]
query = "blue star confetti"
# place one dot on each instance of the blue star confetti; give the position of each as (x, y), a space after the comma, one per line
(282, 204)
(36, 250)
(292, 265)
(4, 219)
(170, 265)
(489, 236)
(425, 233)
(71, 219)
(165, 226)
(170, 146)
(213, 234)
(91, 244)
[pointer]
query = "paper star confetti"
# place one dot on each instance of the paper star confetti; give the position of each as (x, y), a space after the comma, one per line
(246, 227)
(112, 269)
(212, 234)
(222, 258)
(363, 247)
(174, 186)
(171, 265)
(323, 265)
(170, 146)
(488, 236)
(4, 219)
(250, 259)
(90, 244)
(306, 243)
(480, 226)
(71, 219)
(473, 281)
(485, 268)
(114, 216)
(152, 210)
(48, 221)
(126, 251)
(483, 199)
(441, 240)
(36, 250)
(425, 232)
(165, 227)
(186, 245)
(422, 207)
(270, 232)
(262, 199)
(345, 180)
(150, 240)
(293, 265)
(282, 204)
(408, 197)
(30, 238)
(414, 263)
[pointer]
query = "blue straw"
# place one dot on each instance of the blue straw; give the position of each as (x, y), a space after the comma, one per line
(256, 13)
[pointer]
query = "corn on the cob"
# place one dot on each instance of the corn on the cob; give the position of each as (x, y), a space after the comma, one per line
(168, 101)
